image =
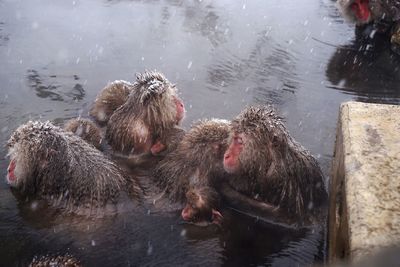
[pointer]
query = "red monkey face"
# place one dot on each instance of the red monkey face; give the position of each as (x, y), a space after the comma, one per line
(180, 109)
(361, 10)
(189, 212)
(16, 172)
(11, 178)
(231, 156)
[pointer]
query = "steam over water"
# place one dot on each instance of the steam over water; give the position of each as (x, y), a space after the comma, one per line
(299, 55)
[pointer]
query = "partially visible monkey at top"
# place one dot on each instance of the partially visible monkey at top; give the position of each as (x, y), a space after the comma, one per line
(383, 14)
(275, 174)
(49, 163)
(142, 124)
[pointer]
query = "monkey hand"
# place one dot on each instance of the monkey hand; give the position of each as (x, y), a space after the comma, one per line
(216, 217)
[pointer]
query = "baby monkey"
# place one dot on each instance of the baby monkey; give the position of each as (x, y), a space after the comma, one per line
(201, 206)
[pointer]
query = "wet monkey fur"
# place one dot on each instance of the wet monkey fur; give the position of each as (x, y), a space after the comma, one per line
(49, 163)
(144, 121)
(273, 172)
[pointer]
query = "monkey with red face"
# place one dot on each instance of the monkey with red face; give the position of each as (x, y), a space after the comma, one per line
(275, 175)
(49, 163)
(143, 123)
(384, 15)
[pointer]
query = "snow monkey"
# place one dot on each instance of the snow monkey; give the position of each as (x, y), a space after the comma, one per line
(383, 14)
(142, 124)
(49, 163)
(274, 173)
(189, 174)
(196, 162)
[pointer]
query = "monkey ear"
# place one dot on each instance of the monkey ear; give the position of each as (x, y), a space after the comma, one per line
(157, 147)
(216, 217)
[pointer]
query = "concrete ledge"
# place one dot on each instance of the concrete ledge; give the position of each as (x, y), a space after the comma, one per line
(364, 214)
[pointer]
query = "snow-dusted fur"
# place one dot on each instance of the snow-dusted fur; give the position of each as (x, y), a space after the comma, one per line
(148, 113)
(65, 170)
(275, 168)
(197, 161)
(85, 129)
(110, 98)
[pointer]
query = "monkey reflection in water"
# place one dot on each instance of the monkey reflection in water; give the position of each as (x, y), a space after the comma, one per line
(48, 163)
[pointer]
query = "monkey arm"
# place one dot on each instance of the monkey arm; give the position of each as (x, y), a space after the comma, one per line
(255, 208)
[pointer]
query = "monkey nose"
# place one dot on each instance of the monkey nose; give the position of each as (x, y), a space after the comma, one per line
(185, 216)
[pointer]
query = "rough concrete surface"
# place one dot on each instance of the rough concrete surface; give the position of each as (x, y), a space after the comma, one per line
(365, 185)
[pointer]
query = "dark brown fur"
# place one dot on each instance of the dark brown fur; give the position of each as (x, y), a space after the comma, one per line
(86, 129)
(110, 99)
(274, 168)
(63, 169)
(147, 116)
(196, 162)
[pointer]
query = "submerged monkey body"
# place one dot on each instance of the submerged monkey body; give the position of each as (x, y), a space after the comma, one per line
(55, 165)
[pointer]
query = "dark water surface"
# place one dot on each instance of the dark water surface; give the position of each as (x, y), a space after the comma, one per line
(298, 55)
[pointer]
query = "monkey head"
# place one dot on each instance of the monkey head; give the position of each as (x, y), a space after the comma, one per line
(201, 206)
(207, 140)
(358, 11)
(158, 98)
(256, 135)
(23, 147)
